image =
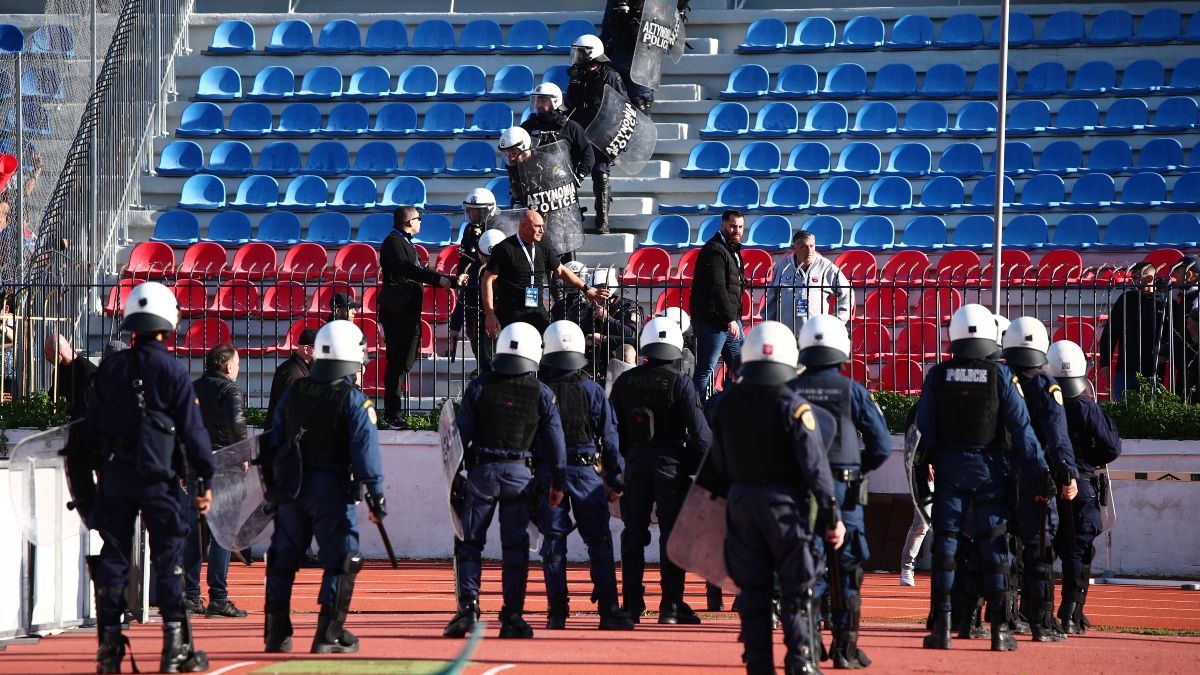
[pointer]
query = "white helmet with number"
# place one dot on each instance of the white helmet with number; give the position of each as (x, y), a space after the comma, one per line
(339, 350)
(973, 332)
(578, 269)
(547, 89)
(515, 138)
(681, 317)
(564, 346)
(150, 307)
(489, 239)
(606, 277)
(1067, 364)
(1025, 343)
(769, 354)
(1002, 324)
(479, 205)
(824, 341)
(587, 48)
(518, 349)
(661, 339)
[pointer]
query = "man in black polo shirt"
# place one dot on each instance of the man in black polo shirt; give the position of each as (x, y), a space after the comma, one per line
(515, 278)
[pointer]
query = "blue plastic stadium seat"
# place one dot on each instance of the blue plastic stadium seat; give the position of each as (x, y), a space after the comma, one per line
(567, 33)
(987, 81)
(1062, 28)
(778, 118)
(872, 233)
(339, 36)
(1193, 30)
(1110, 27)
(231, 158)
(760, 158)
(1093, 191)
(327, 158)
(944, 80)
(1124, 232)
(512, 82)
(229, 229)
(709, 227)
(1075, 117)
(291, 37)
(1018, 158)
(890, 194)
(797, 80)
(443, 119)
(764, 35)
(424, 159)
(894, 80)
(861, 158)
(177, 228)
(909, 159)
(708, 158)
(1185, 77)
(219, 83)
(280, 158)
(279, 228)
(432, 36)
(960, 31)
(912, 31)
(374, 228)
(54, 40)
(927, 118)
(877, 118)
(828, 118)
(727, 119)
(408, 190)
(668, 232)
(436, 231)
(1160, 155)
(1178, 113)
(480, 36)
(983, 196)
(1028, 118)
(527, 36)
(1020, 30)
(1111, 156)
(558, 76)
(474, 158)
(1184, 195)
(306, 193)
(385, 36)
(465, 81)
(1043, 191)
(501, 187)
(974, 233)
(941, 194)
(41, 83)
(329, 229)
(299, 119)
(1093, 77)
(861, 33)
(1178, 230)
(320, 82)
(1141, 77)
(827, 230)
(845, 80)
(256, 193)
(1125, 115)
(1194, 164)
(1159, 25)
(180, 158)
(813, 34)
(1048, 78)
(788, 194)
(770, 232)
(1059, 158)
(202, 192)
(1078, 230)
(747, 81)
(923, 233)
(355, 193)
(273, 83)
(738, 192)
(12, 39)
(489, 120)
(377, 158)
(416, 82)
(809, 158)
(1026, 231)
(347, 119)
(837, 194)
(1142, 191)
(369, 82)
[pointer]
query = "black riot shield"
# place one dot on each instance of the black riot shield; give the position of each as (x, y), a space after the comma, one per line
(916, 465)
(680, 38)
(655, 39)
(549, 184)
(622, 132)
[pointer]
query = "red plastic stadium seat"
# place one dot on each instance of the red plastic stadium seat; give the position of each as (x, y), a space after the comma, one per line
(886, 305)
(758, 266)
(749, 316)
(291, 339)
(1014, 268)
(858, 266)
(647, 266)
(202, 335)
(305, 260)
(438, 304)
(192, 296)
(920, 341)
(1071, 318)
(151, 260)
(118, 294)
(203, 260)
(871, 340)
(937, 304)
(856, 369)
(319, 305)
(903, 376)
(426, 339)
(372, 332)
(1082, 334)
(254, 260)
(687, 266)
(674, 297)
(905, 268)
(1164, 259)
(422, 253)
(1059, 268)
(958, 267)
(236, 298)
(372, 381)
(447, 259)
(355, 262)
(718, 376)
(370, 301)
(283, 300)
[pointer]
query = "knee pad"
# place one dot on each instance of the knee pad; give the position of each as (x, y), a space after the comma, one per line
(944, 563)
(353, 563)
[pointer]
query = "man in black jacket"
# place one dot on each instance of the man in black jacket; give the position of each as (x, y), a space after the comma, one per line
(288, 372)
(1134, 334)
(224, 417)
(74, 373)
(716, 305)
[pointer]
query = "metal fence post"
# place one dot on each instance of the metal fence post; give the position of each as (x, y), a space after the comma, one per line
(1001, 104)
(20, 116)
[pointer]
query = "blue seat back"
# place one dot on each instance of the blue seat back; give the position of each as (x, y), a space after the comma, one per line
(204, 190)
(862, 32)
(41, 82)
(1020, 30)
(1048, 77)
(789, 191)
(750, 79)
(910, 159)
(1127, 229)
(557, 75)
(1144, 74)
(475, 155)
(274, 81)
(1111, 27)
(711, 156)
(911, 31)
(386, 35)
(569, 31)
(845, 79)
(759, 156)
(279, 228)
(987, 80)
(1028, 229)
(52, 39)
(417, 81)
(860, 156)
(810, 158)
(435, 230)
(426, 156)
(1044, 189)
(433, 35)
(1060, 157)
(778, 116)
(770, 232)
(181, 157)
(840, 191)
(984, 193)
(1095, 76)
(230, 227)
(895, 80)
(445, 117)
(738, 192)
(873, 231)
(256, 190)
(766, 34)
(279, 158)
(515, 80)
(1178, 228)
(370, 82)
(826, 229)
(668, 230)
(1062, 28)
(291, 36)
(729, 117)
(1160, 154)
(374, 228)
(945, 79)
(177, 227)
(1112, 155)
(975, 231)
(300, 118)
(1160, 25)
(961, 31)
(230, 157)
(943, 191)
(1076, 229)
(202, 117)
(528, 35)
(1094, 188)
(12, 39)
(924, 232)
(481, 35)
(1179, 112)
(405, 190)
(376, 158)
(339, 35)
(465, 80)
(322, 80)
(328, 158)
(1029, 115)
(494, 117)
(1077, 114)
(927, 115)
(827, 116)
(308, 190)
(1018, 156)
(878, 116)
(219, 82)
(1127, 112)
(329, 229)
(348, 118)
(501, 187)
(709, 227)
(813, 33)
(799, 79)
(891, 191)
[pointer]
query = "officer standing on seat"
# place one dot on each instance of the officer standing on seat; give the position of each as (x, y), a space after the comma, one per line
(143, 415)
(590, 74)
(1025, 343)
(593, 479)
(1096, 444)
(967, 403)
(767, 444)
(663, 436)
(327, 426)
(824, 347)
(619, 35)
(506, 420)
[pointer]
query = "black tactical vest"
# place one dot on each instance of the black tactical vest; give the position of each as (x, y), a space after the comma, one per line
(757, 446)
(317, 407)
(508, 413)
(648, 411)
(585, 92)
(967, 392)
(573, 408)
(833, 394)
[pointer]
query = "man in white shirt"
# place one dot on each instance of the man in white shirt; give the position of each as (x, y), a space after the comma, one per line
(804, 284)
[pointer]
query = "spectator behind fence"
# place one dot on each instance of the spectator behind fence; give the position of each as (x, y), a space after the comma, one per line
(294, 368)
(8, 335)
(223, 413)
(342, 307)
(74, 373)
(112, 347)
(805, 285)
(1183, 306)
(1134, 334)
(716, 308)
(610, 328)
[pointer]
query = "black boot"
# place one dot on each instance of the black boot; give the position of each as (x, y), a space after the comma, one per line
(844, 650)
(556, 615)
(512, 625)
(645, 105)
(611, 616)
(603, 193)
(111, 651)
(1002, 637)
(939, 634)
(1045, 626)
(804, 667)
(278, 630)
(676, 612)
(464, 620)
(1071, 616)
(765, 668)
(634, 605)
(178, 654)
(716, 598)
(970, 620)
(331, 637)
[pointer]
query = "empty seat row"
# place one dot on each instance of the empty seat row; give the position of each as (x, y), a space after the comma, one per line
(389, 36)
(51, 40)
(254, 260)
(964, 31)
(39, 83)
(219, 83)
(282, 228)
(345, 119)
(328, 158)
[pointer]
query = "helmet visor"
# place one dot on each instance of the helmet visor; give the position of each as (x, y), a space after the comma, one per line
(477, 214)
(514, 155)
(580, 55)
(542, 103)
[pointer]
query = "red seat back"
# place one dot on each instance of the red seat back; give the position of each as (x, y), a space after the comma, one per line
(858, 266)
(254, 260)
(151, 260)
(903, 376)
(372, 381)
(871, 339)
(192, 297)
(647, 265)
(283, 299)
(319, 306)
(918, 340)
(118, 294)
(437, 304)
(447, 259)
(236, 298)
(958, 267)
(355, 262)
(905, 267)
(937, 304)
(674, 297)
(758, 265)
(305, 260)
(1164, 259)
(886, 304)
(291, 339)
(1060, 267)
(687, 266)
(204, 334)
(203, 260)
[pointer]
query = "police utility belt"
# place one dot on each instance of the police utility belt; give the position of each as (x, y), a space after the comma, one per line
(973, 449)
(847, 475)
(584, 460)
(506, 459)
(1100, 483)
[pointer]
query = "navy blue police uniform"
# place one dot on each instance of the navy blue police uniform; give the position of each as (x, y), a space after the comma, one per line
(619, 327)
(582, 98)
(556, 126)
(619, 33)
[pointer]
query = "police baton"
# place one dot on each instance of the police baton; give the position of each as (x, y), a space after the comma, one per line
(387, 544)
(203, 520)
(1043, 515)
(1069, 518)
(832, 562)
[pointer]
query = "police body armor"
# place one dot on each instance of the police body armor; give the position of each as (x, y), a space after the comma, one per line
(574, 408)
(648, 399)
(510, 407)
(586, 91)
(625, 27)
(316, 407)
(967, 392)
(758, 453)
(833, 394)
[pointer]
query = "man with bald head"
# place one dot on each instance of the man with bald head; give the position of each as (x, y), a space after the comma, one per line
(515, 281)
(72, 372)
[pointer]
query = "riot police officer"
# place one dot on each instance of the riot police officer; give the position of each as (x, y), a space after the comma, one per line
(663, 435)
(549, 124)
(687, 364)
(504, 415)
(515, 146)
(144, 414)
(323, 450)
(619, 35)
(766, 442)
(610, 327)
(590, 74)
(824, 347)
(1025, 343)
(479, 208)
(1096, 443)
(966, 405)
(593, 478)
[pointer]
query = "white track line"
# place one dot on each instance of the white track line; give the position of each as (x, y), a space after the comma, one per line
(226, 669)
(493, 671)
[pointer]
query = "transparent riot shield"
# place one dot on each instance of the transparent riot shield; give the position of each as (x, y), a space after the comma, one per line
(507, 221)
(614, 370)
(238, 517)
(38, 485)
(655, 39)
(918, 481)
(680, 38)
(549, 184)
(452, 456)
(1108, 510)
(622, 132)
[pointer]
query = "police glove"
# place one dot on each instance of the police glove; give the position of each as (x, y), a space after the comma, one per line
(1049, 486)
(378, 506)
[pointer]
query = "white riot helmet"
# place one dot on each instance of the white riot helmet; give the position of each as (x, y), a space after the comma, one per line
(1025, 343)
(681, 317)
(578, 269)
(606, 277)
(489, 239)
(587, 48)
(973, 332)
(150, 307)
(549, 90)
(1002, 324)
(479, 205)
(564, 346)
(338, 351)
(514, 138)
(824, 341)
(518, 349)
(661, 339)
(1067, 364)
(769, 354)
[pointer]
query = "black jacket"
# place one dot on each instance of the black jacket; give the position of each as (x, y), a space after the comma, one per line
(558, 127)
(221, 408)
(585, 91)
(402, 268)
(1135, 333)
(286, 375)
(74, 381)
(719, 282)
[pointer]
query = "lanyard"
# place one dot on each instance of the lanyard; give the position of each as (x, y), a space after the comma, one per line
(529, 257)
